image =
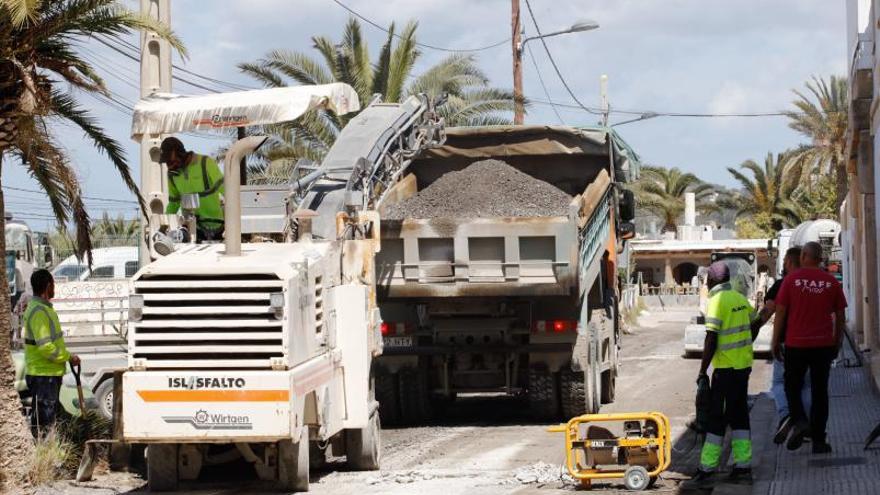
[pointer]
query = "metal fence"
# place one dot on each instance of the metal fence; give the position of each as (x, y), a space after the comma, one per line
(92, 307)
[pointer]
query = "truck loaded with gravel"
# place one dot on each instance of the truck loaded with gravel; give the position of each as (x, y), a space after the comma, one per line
(497, 273)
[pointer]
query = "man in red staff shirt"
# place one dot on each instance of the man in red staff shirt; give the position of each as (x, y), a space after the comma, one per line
(811, 300)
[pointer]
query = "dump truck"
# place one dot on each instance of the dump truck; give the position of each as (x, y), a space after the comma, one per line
(261, 347)
(522, 306)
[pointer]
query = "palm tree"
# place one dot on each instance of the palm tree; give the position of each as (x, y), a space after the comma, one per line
(661, 191)
(822, 116)
(766, 196)
(117, 231)
(471, 101)
(40, 70)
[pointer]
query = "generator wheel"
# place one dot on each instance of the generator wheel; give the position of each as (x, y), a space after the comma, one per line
(636, 478)
(363, 446)
(609, 384)
(415, 403)
(388, 395)
(543, 393)
(162, 473)
(293, 463)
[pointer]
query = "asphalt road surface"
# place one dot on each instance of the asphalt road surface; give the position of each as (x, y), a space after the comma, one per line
(488, 445)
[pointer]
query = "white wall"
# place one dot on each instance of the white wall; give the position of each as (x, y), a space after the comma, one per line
(858, 19)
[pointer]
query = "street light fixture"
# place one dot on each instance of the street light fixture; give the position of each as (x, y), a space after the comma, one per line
(644, 116)
(577, 27)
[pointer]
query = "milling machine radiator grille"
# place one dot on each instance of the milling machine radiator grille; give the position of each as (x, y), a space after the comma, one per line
(207, 322)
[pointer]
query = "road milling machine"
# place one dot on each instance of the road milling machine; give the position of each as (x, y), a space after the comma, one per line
(260, 346)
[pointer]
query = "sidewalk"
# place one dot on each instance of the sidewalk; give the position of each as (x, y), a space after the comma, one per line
(850, 470)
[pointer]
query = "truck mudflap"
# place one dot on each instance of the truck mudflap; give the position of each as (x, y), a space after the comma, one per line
(220, 406)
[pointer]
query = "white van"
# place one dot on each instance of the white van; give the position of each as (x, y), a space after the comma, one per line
(109, 263)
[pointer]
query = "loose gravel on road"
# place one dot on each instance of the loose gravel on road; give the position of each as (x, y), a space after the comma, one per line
(485, 189)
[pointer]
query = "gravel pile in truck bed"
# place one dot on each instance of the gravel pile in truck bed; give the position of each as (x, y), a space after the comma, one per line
(485, 189)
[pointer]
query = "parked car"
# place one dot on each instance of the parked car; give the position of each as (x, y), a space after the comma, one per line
(108, 263)
(67, 396)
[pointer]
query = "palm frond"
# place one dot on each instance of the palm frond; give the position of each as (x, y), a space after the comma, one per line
(297, 66)
(360, 69)
(383, 66)
(65, 106)
(21, 11)
(262, 73)
(403, 59)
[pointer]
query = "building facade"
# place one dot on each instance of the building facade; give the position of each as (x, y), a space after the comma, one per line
(858, 214)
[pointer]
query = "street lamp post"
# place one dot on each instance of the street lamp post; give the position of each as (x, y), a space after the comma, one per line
(519, 44)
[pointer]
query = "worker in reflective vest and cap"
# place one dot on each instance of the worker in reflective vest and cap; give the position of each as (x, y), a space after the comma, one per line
(728, 348)
(45, 354)
(191, 173)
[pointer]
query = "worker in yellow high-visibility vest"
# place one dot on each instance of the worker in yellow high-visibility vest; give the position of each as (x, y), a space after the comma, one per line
(45, 354)
(728, 348)
(191, 173)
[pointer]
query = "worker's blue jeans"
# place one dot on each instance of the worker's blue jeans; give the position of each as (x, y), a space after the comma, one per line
(44, 404)
(777, 389)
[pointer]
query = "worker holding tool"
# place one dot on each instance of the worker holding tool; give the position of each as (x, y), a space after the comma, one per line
(191, 173)
(45, 353)
(728, 348)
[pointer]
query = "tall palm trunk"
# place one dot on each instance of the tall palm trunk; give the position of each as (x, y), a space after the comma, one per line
(17, 444)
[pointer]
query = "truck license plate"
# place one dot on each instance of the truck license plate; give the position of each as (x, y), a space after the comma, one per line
(398, 341)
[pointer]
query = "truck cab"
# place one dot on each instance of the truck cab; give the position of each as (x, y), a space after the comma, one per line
(20, 257)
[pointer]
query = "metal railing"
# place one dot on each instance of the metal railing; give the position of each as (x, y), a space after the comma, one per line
(670, 290)
(93, 307)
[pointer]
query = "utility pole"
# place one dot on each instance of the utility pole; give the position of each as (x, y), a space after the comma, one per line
(516, 32)
(155, 78)
(603, 91)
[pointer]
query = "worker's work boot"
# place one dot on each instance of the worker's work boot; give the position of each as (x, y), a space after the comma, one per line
(783, 430)
(703, 480)
(821, 447)
(798, 432)
(740, 476)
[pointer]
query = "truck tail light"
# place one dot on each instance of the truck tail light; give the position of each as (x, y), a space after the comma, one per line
(554, 326)
(390, 329)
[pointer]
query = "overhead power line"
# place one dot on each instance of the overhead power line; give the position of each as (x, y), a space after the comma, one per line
(231, 85)
(121, 46)
(555, 67)
(93, 198)
(544, 86)
(423, 45)
(135, 58)
(663, 113)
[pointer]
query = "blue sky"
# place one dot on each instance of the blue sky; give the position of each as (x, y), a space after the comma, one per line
(702, 56)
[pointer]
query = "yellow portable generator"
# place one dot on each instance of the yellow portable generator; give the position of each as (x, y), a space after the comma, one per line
(638, 454)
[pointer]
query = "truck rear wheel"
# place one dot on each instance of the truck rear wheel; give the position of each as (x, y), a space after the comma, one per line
(363, 446)
(388, 395)
(415, 403)
(293, 463)
(543, 393)
(574, 392)
(162, 473)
